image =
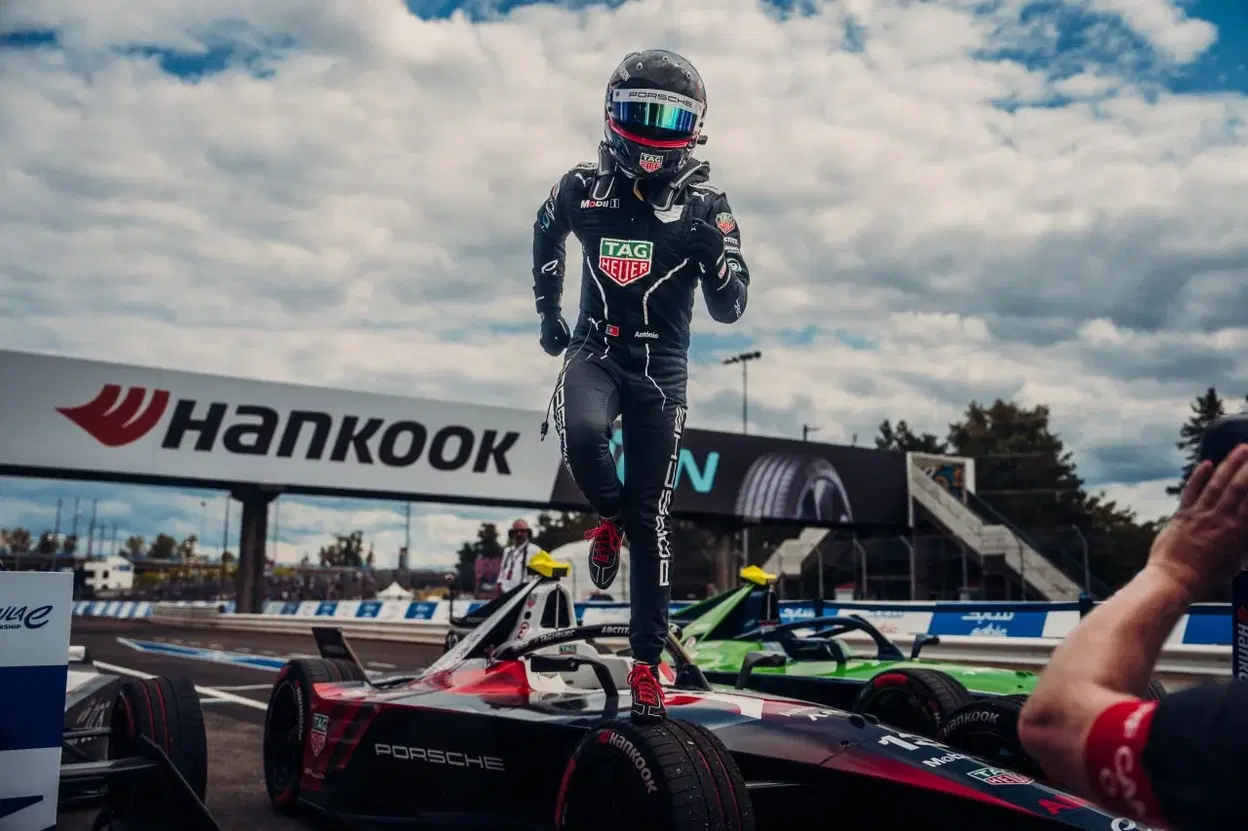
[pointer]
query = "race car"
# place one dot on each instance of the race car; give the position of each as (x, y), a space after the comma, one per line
(518, 726)
(133, 749)
(972, 708)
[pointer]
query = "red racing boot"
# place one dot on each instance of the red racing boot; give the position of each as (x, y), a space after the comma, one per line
(604, 552)
(648, 706)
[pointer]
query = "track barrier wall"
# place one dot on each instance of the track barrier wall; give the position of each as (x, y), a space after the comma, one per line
(1207, 624)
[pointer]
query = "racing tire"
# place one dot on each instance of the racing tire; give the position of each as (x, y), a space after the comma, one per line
(288, 723)
(1156, 691)
(167, 712)
(987, 729)
(789, 486)
(670, 776)
(917, 701)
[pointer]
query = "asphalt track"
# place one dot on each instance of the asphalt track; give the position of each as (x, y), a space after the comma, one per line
(233, 696)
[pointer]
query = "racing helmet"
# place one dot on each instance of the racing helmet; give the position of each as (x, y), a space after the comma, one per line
(655, 109)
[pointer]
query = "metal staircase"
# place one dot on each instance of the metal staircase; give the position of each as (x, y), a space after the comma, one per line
(989, 540)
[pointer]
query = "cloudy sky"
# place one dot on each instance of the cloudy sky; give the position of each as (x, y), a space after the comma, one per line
(940, 201)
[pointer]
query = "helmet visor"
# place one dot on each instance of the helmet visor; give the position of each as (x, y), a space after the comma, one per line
(650, 115)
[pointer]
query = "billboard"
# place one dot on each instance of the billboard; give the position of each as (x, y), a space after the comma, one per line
(72, 418)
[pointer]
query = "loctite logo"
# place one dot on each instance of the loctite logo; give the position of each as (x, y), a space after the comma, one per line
(252, 430)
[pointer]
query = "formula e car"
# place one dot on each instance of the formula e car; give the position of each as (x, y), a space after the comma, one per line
(518, 727)
(972, 708)
(132, 749)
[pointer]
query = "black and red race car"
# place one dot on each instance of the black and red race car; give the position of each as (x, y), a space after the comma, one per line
(519, 726)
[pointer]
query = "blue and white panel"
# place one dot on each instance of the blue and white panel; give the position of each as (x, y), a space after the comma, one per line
(36, 608)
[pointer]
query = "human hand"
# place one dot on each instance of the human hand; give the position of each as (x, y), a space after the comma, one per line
(706, 243)
(555, 334)
(1204, 544)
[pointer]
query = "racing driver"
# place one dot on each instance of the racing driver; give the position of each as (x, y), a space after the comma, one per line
(652, 227)
(1180, 762)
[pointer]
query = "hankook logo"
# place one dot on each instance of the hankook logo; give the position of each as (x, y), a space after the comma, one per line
(439, 757)
(252, 430)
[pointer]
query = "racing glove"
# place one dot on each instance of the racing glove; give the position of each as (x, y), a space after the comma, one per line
(555, 333)
(706, 245)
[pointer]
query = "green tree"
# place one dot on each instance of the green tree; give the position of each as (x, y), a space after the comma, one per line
(901, 437)
(69, 545)
(1206, 409)
(186, 548)
(134, 546)
(18, 540)
(346, 551)
(163, 548)
(228, 557)
(47, 543)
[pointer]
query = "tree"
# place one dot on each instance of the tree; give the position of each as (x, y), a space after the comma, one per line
(134, 546)
(904, 439)
(47, 543)
(228, 557)
(346, 551)
(17, 540)
(1206, 409)
(186, 548)
(163, 548)
(69, 545)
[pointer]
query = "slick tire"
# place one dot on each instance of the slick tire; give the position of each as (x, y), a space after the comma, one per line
(917, 701)
(671, 776)
(165, 711)
(288, 722)
(789, 486)
(987, 729)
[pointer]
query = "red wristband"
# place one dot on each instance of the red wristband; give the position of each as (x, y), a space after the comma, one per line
(1114, 755)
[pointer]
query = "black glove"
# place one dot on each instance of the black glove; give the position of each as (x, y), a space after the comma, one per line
(706, 244)
(555, 334)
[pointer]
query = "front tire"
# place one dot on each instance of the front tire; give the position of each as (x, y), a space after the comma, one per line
(288, 722)
(917, 701)
(670, 776)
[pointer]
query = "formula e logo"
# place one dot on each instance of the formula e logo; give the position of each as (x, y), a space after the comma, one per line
(115, 424)
(625, 260)
(650, 162)
(19, 617)
(320, 729)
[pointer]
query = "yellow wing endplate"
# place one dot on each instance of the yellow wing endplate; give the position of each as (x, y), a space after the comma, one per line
(755, 575)
(544, 565)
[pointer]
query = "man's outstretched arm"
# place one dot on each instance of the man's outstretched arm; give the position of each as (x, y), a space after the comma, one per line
(716, 244)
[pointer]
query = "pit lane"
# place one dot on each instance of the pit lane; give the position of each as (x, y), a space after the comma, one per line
(233, 697)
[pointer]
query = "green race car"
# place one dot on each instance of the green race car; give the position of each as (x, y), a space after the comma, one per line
(736, 637)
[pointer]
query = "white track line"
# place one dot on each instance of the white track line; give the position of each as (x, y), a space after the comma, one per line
(211, 692)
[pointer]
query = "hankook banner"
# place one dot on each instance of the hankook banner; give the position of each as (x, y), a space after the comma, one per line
(75, 418)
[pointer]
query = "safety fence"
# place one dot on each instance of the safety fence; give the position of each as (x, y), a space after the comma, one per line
(1205, 625)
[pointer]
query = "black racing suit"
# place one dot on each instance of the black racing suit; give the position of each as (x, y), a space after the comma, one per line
(628, 354)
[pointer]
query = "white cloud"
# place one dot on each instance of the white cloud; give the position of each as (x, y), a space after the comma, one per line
(362, 217)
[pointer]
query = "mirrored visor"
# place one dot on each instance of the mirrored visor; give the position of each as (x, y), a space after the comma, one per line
(654, 114)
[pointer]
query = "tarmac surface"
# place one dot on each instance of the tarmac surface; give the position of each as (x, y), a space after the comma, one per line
(233, 695)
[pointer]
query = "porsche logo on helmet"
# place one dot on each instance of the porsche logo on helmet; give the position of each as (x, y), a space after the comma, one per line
(650, 162)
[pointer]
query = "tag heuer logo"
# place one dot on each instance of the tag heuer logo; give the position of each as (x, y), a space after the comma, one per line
(625, 260)
(320, 727)
(726, 222)
(650, 162)
(997, 776)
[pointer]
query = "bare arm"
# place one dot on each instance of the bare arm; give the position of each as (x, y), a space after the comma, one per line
(1109, 658)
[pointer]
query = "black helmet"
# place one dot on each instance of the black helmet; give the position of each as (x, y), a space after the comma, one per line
(655, 107)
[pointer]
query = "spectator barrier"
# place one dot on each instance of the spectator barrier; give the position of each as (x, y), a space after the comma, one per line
(1208, 624)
